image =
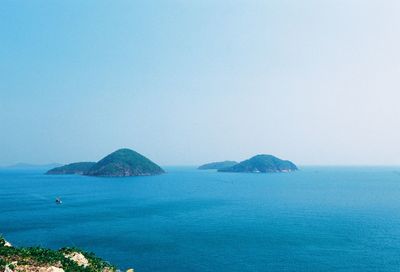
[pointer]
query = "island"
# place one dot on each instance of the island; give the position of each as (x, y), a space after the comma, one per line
(22, 165)
(77, 168)
(124, 163)
(14, 259)
(217, 165)
(121, 163)
(262, 164)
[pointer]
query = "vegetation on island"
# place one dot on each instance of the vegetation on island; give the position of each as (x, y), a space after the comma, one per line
(124, 162)
(28, 259)
(262, 164)
(121, 163)
(78, 168)
(217, 165)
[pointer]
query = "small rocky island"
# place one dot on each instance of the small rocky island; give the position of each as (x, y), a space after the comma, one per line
(121, 163)
(217, 165)
(262, 164)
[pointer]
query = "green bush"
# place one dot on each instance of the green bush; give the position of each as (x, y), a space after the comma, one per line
(41, 256)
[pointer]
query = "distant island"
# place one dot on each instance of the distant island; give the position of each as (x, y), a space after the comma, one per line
(22, 165)
(121, 163)
(217, 165)
(79, 168)
(262, 164)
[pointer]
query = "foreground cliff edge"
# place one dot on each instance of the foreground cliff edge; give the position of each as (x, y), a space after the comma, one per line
(121, 163)
(262, 164)
(37, 259)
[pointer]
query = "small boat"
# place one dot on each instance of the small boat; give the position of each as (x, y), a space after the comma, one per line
(58, 200)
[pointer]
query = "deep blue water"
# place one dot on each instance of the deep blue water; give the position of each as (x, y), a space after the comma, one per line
(317, 219)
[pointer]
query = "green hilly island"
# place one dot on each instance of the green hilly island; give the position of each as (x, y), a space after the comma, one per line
(78, 168)
(217, 165)
(262, 164)
(124, 162)
(121, 163)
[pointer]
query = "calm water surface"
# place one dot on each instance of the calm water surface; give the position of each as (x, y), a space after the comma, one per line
(317, 219)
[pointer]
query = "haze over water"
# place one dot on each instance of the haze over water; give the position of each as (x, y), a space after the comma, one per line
(188, 82)
(317, 219)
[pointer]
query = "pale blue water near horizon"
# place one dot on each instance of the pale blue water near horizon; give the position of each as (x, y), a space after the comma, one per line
(317, 219)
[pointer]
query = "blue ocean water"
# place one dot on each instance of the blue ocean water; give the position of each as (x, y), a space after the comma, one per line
(317, 219)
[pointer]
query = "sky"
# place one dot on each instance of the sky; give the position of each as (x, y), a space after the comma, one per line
(187, 82)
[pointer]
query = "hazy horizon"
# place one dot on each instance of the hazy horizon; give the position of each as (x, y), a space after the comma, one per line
(21, 165)
(190, 82)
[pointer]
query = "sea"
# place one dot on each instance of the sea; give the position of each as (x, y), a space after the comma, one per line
(315, 219)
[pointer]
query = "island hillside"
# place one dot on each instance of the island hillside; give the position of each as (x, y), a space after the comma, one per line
(38, 259)
(124, 162)
(121, 163)
(217, 165)
(262, 164)
(78, 168)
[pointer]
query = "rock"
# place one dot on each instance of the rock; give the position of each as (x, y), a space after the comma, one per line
(51, 269)
(7, 244)
(33, 268)
(78, 258)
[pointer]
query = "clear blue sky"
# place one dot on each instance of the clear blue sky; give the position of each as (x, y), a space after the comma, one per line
(187, 82)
